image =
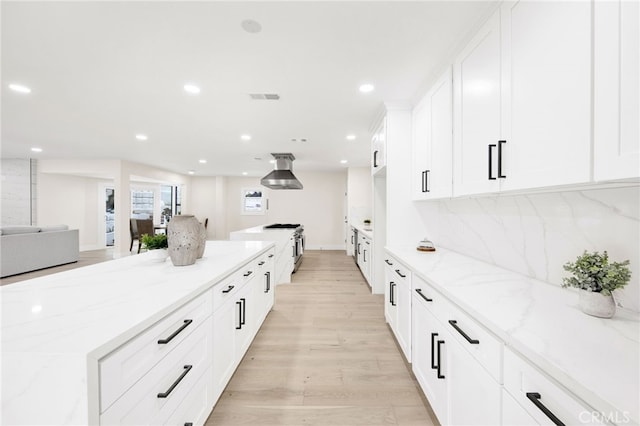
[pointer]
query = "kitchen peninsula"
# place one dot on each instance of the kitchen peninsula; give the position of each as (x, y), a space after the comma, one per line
(115, 342)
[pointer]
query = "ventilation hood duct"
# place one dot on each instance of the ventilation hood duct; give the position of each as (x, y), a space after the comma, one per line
(282, 176)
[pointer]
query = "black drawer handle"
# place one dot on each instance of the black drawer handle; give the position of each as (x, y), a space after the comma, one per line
(375, 158)
(433, 350)
(535, 398)
(188, 424)
(228, 289)
(175, 333)
(268, 275)
(440, 375)
(419, 291)
(270, 256)
(246, 274)
(393, 294)
(400, 273)
(388, 263)
(187, 368)
(491, 146)
(454, 324)
(261, 263)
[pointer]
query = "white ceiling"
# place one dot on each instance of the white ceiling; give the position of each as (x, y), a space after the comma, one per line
(101, 72)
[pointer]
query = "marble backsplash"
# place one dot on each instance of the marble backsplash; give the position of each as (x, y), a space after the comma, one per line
(536, 234)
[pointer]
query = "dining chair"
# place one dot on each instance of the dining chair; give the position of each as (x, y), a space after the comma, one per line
(145, 226)
(133, 231)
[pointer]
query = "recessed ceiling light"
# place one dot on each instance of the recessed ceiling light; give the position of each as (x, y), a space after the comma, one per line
(191, 172)
(141, 137)
(244, 173)
(202, 161)
(351, 137)
(251, 26)
(34, 149)
(19, 88)
(343, 161)
(191, 88)
(245, 137)
(366, 88)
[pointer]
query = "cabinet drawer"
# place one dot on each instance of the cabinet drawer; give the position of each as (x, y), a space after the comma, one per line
(432, 300)
(477, 340)
(227, 288)
(401, 275)
(542, 398)
(196, 407)
(153, 399)
(126, 365)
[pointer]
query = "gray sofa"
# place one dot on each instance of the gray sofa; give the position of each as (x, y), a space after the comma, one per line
(28, 248)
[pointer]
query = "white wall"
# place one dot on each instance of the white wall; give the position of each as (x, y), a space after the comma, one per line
(320, 207)
(359, 194)
(536, 234)
(17, 194)
(203, 203)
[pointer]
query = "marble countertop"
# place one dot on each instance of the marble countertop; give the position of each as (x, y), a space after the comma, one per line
(596, 359)
(366, 231)
(261, 230)
(53, 324)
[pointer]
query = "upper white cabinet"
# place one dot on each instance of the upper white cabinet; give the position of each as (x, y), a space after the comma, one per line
(432, 138)
(378, 148)
(616, 90)
(522, 91)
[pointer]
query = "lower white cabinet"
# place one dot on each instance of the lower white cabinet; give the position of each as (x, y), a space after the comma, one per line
(398, 303)
(174, 372)
(460, 390)
(545, 401)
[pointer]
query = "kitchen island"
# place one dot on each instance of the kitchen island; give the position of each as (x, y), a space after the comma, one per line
(78, 346)
(285, 247)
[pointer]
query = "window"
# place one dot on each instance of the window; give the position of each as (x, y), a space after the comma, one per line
(253, 202)
(170, 202)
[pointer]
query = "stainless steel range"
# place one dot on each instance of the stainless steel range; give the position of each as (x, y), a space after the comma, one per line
(298, 240)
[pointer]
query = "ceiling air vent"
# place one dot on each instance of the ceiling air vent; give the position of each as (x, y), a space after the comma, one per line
(264, 96)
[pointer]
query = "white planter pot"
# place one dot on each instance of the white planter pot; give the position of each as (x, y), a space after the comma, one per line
(159, 255)
(597, 304)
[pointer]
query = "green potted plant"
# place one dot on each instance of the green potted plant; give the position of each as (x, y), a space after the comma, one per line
(596, 278)
(158, 244)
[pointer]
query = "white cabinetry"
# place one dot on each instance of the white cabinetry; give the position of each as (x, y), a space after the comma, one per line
(545, 401)
(432, 142)
(365, 250)
(455, 361)
(616, 90)
(379, 148)
(522, 99)
(398, 303)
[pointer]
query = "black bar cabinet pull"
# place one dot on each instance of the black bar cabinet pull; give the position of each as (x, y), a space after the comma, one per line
(358, 248)
(375, 158)
(387, 262)
(228, 289)
(491, 146)
(365, 255)
(535, 398)
(244, 311)
(454, 324)
(393, 296)
(246, 274)
(261, 263)
(239, 326)
(175, 333)
(433, 350)
(419, 291)
(400, 273)
(187, 368)
(500, 175)
(440, 376)
(352, 239)
(268, 275)
(188, 424)
(270, 256)
(424, 181)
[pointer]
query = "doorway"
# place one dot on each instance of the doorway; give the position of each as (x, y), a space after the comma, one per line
(109, 216)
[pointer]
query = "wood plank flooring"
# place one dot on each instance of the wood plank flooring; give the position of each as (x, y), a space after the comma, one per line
(324, 356)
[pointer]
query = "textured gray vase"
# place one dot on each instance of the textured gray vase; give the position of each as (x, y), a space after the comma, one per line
(597, 304)
(183, 236)
(203, 240)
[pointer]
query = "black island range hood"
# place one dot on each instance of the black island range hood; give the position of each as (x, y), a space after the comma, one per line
(282, 176)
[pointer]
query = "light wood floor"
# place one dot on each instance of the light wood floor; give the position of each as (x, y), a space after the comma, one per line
(324, 356)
